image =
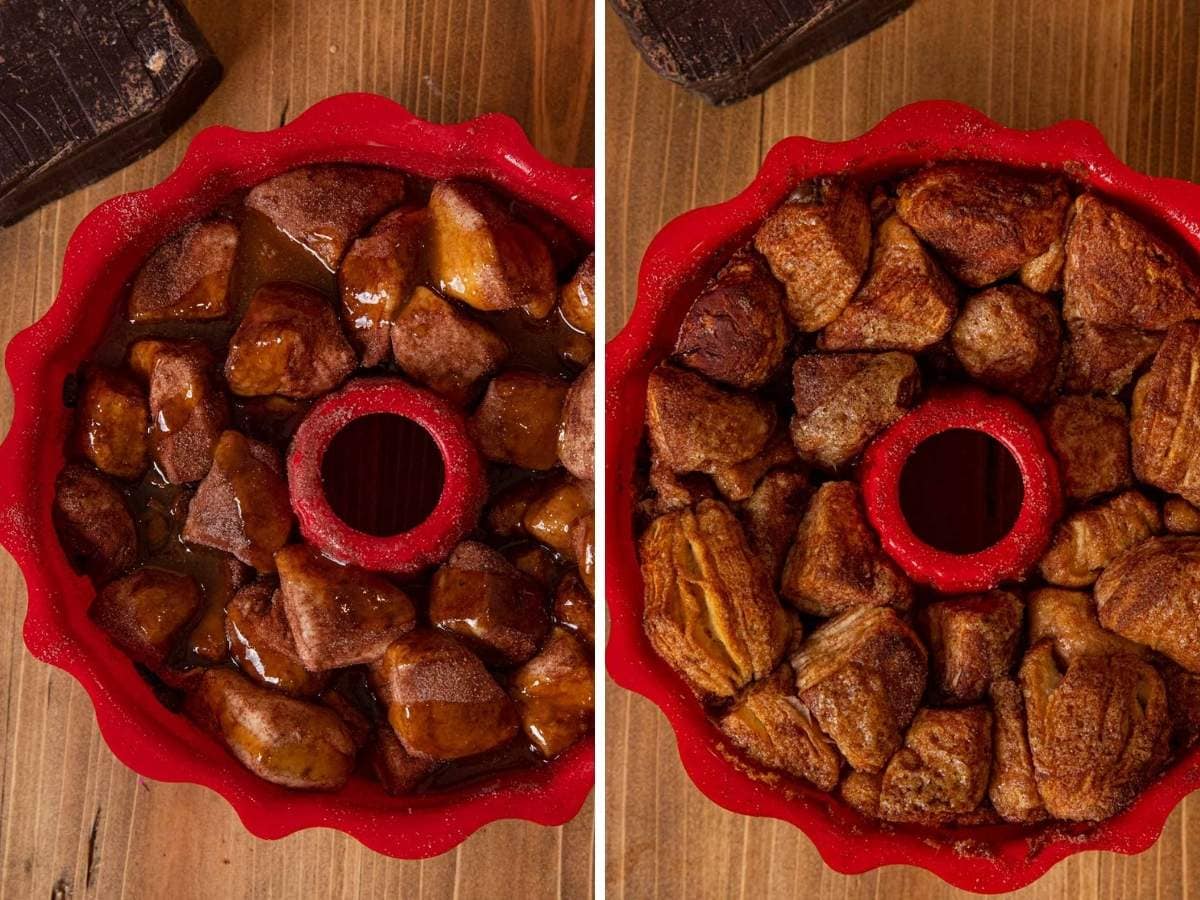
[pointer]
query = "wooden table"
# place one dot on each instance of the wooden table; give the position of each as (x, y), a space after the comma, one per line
(74, 822)
(1129, 66)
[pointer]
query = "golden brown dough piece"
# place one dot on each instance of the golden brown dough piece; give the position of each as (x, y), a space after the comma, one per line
(552, 514)
(1090, 439)
(1119, 273)
(480, 254)
(710, 611)
(836, 562)
(1098, 731)
(942, 770)
(844, 399)
(574, 607)
(1013, 787)
(577, 431)
(93, 523)
(441, 701)
(905, 303)
(695, 426)
(772, 514)
(340, 615)
(207, 639)
(1180, 517)
(577, 299)
(985, 222)
(443, 348)
(326, 207)
(1088, 540)
(737, 481)
(187, 277)
(146, 612)
(1165, 427)
(1008, 338)
(188, 408)
(397, 770)
(378, 276)
(736, 331)
(290, 343)
(862, 674)
(861, 790)
(261, 642)
(1152, 595)
(1102, 359)
(1067, 619)
(972, 641)
(517, 420)
(279, 738)
(111, 419)
(770, 724)
(242, 506)
(554, 694)
(1043, 274)
(583, 546)
(818, 243)
(487, 603)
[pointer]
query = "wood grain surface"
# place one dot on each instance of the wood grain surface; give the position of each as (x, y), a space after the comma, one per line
(74, 822)
(1130, 67)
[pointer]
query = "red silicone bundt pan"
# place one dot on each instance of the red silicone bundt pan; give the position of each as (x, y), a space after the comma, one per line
(104, 252)
(680, 258)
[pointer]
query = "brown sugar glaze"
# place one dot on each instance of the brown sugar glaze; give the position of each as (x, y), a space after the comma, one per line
(377, 476)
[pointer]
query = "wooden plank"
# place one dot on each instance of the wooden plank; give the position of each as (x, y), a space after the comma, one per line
(74, 822)
(1130, 67)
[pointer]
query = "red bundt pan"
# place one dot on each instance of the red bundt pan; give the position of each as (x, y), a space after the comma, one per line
(679, 260)
(104, 252)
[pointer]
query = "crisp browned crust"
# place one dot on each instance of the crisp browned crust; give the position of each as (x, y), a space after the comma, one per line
(736, 331)
(1119, 273)
(1098, 730)
(774, 728)
(710, 611)
(905, 303)
(772, 514)
(737, 481)
(942, 770)
(818, 243)
(324, 207)
(843, 400)
(1067, 619)
(695, 426)
(1102, 359)
(1165, 426)
(972, 640)
(836, 563)
(1012, 788)
(1088, 540)
(188, 276)
(984, 222)
(1009, 338)
(1151, 595)
(1180, 517)
(862, 674)
(1090, 439)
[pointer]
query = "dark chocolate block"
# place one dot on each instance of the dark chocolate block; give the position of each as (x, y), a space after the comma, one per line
(88, 86)
(727, 50)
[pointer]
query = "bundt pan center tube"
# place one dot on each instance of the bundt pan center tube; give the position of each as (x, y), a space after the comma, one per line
(1018, 432)
(677, 266)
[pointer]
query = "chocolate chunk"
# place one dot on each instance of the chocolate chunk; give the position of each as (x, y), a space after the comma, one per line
(86, 89)
(727, 51)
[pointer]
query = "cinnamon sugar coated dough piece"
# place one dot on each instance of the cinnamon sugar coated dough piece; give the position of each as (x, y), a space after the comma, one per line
(1166, 415)
(577, 431)
(842, 400)
(985, 222)
(325, 207)
(577, 299)
(773, 727)
(146, 611)
(188, 276)
(1105, 358)
(710, 610)
(1151, 595)
(1068, 620)
(1118, 272)
(862, 674)
(1012, 789)
(188, 408)
(972, 641)
(93, 523)
(1009, 339)
(111, 423)
(1088, 540)
(554, 694)
(818, 244)
(1090, 439)
(772, 514)
(261, 642)
(835, 562)
(905, 303)
(736, 332)
(518, 418)
(1180, 517)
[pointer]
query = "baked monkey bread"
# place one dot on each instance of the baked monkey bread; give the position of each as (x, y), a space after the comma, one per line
(1062, 692)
